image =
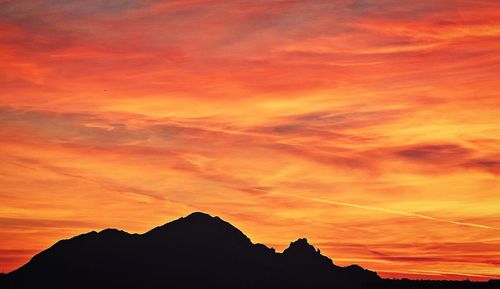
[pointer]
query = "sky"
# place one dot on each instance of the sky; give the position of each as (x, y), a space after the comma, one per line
(370, 127)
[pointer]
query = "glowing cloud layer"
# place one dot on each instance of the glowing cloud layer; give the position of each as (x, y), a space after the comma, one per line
(371, 128)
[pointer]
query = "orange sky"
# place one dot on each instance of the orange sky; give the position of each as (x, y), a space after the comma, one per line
(370, 127)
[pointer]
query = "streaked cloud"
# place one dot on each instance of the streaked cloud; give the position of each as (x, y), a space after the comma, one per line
(370, 128)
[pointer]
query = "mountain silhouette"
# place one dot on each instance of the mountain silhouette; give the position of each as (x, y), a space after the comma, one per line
(197, 251)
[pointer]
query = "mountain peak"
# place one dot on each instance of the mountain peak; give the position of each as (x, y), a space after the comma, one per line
(112, 232)
(202, 227)
(300, 247)
(195, 251)
(200, 217)
(303, 253)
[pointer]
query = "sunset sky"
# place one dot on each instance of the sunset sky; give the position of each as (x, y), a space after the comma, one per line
(370, 127)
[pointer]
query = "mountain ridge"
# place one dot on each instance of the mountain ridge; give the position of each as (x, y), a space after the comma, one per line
(196, 251)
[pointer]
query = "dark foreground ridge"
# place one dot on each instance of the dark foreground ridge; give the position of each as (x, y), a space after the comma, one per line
(194, 252)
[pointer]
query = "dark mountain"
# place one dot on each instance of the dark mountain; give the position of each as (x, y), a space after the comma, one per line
(197, 251)
(435, 284)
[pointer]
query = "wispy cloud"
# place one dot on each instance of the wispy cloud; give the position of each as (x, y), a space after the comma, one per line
(378, 122)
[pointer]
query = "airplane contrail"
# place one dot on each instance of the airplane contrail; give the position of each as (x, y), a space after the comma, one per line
(389, 211)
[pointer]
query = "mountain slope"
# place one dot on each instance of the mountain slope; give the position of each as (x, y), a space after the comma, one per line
(197, 251)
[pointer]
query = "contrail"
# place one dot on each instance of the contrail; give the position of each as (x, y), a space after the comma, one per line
(389, 211)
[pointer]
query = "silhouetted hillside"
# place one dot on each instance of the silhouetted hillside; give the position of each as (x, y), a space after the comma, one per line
(435, 284)
(197, 251)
